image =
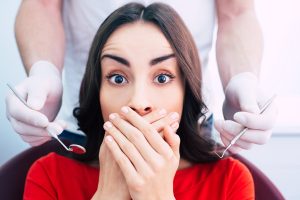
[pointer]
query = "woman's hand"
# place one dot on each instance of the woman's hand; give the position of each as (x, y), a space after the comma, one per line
(112, 184)
(147, 160)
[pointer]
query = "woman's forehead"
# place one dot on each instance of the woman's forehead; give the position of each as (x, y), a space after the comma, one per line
(140, 37)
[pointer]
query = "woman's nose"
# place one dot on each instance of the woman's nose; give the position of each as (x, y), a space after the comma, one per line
(141, 110)
(140, 103)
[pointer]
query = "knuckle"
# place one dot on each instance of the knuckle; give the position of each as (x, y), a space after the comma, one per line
(159, 165)
(177, 139)
(149, 175)
(138, 185)
(158, 126)
(121, 160)
(135, 136)
(12, 110)
(125, 146)
(174, 161)
(16, 126)
(147, 130)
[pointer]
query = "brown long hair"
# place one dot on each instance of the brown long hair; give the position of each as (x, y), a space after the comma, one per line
(194, 147)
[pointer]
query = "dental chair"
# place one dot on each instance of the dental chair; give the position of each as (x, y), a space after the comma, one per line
(13, 173)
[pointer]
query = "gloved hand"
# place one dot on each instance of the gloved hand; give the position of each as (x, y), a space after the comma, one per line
(42, 90)
(243, 101)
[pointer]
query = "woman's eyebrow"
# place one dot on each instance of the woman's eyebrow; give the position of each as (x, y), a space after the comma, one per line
(116, 58)
(161, 59)
(126, 63)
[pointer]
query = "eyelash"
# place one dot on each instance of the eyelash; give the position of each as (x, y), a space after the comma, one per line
(111, 75)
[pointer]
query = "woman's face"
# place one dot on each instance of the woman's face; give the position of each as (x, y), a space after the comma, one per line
(139, 70)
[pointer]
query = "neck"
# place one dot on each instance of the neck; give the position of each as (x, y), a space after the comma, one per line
(184, 164)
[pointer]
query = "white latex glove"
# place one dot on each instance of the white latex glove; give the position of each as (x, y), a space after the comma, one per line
(243, 100)
(42, 90)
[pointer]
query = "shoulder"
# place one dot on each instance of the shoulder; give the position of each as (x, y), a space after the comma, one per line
(237, 179)
(232, 164)
(55, 168)
(50, 175)
(50, 160)
(232, 168)
(232, 177)
(54, 162)
(229, 177)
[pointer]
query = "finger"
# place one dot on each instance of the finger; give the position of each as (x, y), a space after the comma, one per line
(39, 142)
(227, 138)
(170, 119)
(239, 143)
(124, 163)
(264, 121)
(54, 129)
(247, 97)
(233, 149)
(35, 141)
(126, 147)
(28, 130)
(251, 135)
(134, 136)
(174, 126)
(16, 109)
(248, 103)
(151, 135)
(173, 140)
(155, 115)
(37, 96)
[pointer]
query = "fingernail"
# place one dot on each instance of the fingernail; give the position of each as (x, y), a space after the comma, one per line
(240, 118)
(175, 125)
(112, 116)
(162, 112)
(175, 116)
(107, 125)
(124, 109)
(109, 138)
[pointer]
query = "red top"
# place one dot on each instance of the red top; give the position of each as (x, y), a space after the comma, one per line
(57, 177)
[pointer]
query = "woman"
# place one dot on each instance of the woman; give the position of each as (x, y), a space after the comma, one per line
(142, 83)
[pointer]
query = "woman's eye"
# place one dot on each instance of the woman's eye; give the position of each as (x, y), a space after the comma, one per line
(117, 79)
(163, 78)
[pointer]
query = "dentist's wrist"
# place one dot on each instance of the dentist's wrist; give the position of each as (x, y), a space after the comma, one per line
(44, 67)
(239, 78)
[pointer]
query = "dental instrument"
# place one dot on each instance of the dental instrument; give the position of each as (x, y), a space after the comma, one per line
(75, 148)
(233, 141)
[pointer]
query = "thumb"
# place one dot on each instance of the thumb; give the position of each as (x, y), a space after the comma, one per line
(248, 102)
(36, 97)
(172, 139)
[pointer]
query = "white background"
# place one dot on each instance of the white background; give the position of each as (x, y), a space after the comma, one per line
(279, 159)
